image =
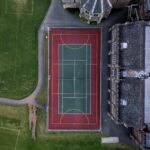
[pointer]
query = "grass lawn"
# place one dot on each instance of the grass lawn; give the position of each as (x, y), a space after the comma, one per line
(16, 119)
(5, 136)
(19, 23)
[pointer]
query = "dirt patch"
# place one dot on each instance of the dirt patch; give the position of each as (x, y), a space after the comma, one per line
(32, 120)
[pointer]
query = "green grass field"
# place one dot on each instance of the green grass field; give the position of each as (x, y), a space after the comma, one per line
(16, 119)
(5, 135)
(19, 23)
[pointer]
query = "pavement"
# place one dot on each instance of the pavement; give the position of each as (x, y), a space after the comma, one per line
(56, 16)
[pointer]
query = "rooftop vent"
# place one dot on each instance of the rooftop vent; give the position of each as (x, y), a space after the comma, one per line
(124, 45)
(123, 102)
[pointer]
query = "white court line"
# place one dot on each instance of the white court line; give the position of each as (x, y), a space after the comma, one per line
(74, 77)
(62, 80)
(78, 110)
(69, 47)
(19, 12)
(74, 60)
(86, 78)
(76, 93)
(73, 97)
(76, 64)
(90, 79)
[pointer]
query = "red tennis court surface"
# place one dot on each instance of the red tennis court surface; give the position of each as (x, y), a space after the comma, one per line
(74, 79)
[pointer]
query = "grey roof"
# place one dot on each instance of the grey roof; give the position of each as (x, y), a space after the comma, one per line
(147, 68)
(133, 56)
(96, 6)
(132, 91)
(147, 142)
(93, 6)
(148, 5)
(147, 101)
(107, 5)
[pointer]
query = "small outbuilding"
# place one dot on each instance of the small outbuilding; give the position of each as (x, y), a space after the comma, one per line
(95, 10)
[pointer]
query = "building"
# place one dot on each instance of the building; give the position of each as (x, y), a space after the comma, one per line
(94, 10)
(144, 9)
(141, 137)
(129, 77)
(71, 3)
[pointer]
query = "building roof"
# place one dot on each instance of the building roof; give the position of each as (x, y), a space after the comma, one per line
(96, 6)
(133, 56)
(147, 142)
(93, 6)
(134, 86)
(133, 92)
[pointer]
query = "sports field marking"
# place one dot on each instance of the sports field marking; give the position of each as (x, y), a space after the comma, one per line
(68, 45)
(78, 110)
(74, 62)
(17, 138)
(76, 93)
(74, 78)
(86, 81)
(8, 11)
(62, 81)
(73, 97)
(52, 81)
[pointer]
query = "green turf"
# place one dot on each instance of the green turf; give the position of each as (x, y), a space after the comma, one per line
(17, 118)
(74, 78)
(19, 23)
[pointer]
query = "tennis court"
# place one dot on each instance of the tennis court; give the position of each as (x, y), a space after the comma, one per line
(74, 78)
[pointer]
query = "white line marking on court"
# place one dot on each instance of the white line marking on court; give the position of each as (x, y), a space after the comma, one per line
(76, 93)
(86, 78)
(79, 112)
(90, 78)
(74, 78)
(78, 98)
(62, 79)
(69, 47)
(74, 60)
(67, 64)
